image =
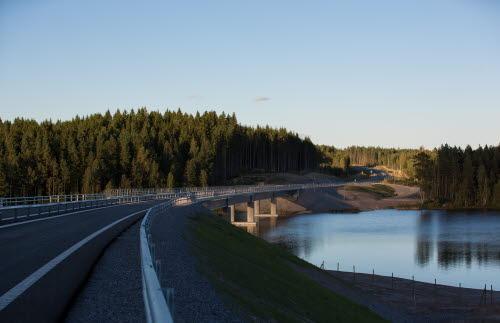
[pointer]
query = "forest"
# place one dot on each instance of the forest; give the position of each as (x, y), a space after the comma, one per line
(141, 149)
(396, 159)
(151, 149)
(459, 178)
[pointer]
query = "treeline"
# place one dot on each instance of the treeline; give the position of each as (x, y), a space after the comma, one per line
(460, 178)
(396, 159)
(141, 149)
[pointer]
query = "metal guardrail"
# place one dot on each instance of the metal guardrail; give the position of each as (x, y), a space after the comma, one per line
(111, 193)
(156, 298)
(18, 213)
(22, 208)
(47, 199)
(155, 303)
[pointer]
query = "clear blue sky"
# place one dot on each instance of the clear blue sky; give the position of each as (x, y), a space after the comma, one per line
(389, 73)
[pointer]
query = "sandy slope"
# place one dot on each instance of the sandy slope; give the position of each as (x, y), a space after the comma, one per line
(339, 199)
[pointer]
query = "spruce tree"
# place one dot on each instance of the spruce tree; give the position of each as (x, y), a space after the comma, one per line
(170, 180)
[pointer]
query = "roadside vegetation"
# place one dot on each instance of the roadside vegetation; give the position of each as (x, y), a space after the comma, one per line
(258, 277)
(380, 191)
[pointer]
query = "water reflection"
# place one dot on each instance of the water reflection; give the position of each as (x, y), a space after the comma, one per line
(459, 238)
(452, 247)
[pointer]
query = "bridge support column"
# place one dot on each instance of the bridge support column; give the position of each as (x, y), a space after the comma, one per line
(250, 213)
(231, 212)
(256, 207)
(274, 207)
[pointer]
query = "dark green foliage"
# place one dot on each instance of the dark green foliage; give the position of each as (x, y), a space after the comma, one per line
(346, 163)
(496, 195)
(423, 165)
(460, 178)
(141, 149)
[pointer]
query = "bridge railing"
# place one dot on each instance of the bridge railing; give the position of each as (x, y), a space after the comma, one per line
(158, 299)
(48, 199)
(26, 212)
(20, 209)
(165, 192)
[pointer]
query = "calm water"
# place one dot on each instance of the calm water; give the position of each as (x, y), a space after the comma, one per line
(457, 247)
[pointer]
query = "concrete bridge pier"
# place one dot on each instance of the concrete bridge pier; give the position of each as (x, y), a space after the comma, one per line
(274, 207)
(231, 212)
(256, 207)
(250, 212)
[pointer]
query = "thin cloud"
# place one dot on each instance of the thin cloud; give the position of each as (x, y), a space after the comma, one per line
(262, 99)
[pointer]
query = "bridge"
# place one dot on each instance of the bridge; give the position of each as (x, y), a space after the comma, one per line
(50, 244)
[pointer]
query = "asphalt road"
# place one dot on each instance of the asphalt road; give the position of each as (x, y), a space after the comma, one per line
(26, 247)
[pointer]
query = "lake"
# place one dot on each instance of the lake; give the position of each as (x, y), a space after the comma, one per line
(453, 247)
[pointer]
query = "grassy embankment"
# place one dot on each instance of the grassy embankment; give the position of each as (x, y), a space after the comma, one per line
(259, 279)
(380, 191)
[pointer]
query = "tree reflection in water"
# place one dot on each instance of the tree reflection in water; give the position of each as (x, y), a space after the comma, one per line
(459, 238)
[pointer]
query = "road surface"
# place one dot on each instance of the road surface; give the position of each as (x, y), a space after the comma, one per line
(24, 248)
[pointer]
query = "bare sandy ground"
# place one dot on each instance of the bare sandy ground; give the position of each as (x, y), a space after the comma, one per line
(406, 196)
(340, 200)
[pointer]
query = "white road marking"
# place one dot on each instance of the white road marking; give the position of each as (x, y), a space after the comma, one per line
(20, 288)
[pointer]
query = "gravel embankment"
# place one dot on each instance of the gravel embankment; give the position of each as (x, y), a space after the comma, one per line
(195, 299)
(113, 292)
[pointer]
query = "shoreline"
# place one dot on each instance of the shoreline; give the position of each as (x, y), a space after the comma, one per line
(397, 299)
(428, 301)
(340, 200)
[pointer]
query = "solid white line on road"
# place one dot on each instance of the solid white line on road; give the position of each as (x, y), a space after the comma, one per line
(65, 214)
(20, 288)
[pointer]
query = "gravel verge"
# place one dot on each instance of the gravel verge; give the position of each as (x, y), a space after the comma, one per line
(195, 299)
(113, 292)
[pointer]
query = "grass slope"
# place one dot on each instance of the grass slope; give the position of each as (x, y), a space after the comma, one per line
(379, 190)
(258, 277)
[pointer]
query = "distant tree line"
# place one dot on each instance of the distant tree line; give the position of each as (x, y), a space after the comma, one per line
(460, 178)
(141, 149)
(396, 159)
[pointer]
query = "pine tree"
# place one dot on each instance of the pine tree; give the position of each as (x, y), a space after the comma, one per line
(423, 173)
(170, 180)
(191, 173)
(467, 187)
(203, 178)
(483, 194)
(496, 195)
(3, 183)
(346, 163)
